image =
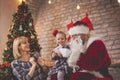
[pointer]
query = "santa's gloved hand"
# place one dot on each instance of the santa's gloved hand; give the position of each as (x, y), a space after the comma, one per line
(76, 68)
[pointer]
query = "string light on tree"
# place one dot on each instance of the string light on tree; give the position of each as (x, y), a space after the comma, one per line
(30, 24)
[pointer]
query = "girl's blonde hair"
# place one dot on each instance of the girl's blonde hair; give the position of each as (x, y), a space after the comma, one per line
(16, 44)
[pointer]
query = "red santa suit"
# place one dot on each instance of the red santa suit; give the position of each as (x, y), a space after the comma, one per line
(95, 59)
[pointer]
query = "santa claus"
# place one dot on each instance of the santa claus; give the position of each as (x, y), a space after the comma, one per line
(88, 53)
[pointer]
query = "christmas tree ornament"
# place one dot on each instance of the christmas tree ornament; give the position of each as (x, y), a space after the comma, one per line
(25, 14)
(11, 27)
(5, 48)
(32, 36)
(11, 40)
(2, 56)
(20, 28)
(25, 31)
(30, 24)
(19, 11)
(12, 36)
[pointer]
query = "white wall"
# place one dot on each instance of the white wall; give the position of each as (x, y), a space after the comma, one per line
(7, 8)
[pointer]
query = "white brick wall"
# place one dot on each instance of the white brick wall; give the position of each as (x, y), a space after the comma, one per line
(104, 14)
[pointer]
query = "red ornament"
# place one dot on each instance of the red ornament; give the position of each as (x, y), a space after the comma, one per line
(8, 56)
(17, 36)
(7, 64)
(22, 19)
(29, 39)
(19, 11)
(11, 40)
(6, 75)
(11, 47)
(1, 66)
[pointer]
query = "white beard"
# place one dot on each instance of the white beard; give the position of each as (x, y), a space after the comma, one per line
(76, 47)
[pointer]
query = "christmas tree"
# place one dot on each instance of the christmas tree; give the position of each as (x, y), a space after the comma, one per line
(22, 26)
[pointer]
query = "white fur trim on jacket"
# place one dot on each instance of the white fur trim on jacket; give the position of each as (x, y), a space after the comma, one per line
(91, 40)
(78, 29)
(72, 60)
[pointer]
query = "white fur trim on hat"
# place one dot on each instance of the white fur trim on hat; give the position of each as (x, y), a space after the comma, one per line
(78, 30)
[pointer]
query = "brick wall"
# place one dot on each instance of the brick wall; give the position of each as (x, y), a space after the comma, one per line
(104, 15)
(115, 71)
(34, 6)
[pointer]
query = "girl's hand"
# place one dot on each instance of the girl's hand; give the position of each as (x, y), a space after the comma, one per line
(60, 55)
(54, 54)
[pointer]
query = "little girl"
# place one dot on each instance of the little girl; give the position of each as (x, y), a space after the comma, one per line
(60, 55)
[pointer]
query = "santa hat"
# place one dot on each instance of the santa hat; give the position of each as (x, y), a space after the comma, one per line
(69, 26)
(68, 38)
(84, 26)
(88, 22)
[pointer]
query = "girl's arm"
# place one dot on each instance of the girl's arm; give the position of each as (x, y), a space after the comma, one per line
(55, 56)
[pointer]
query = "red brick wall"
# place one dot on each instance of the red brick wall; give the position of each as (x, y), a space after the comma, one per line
(104, 14)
